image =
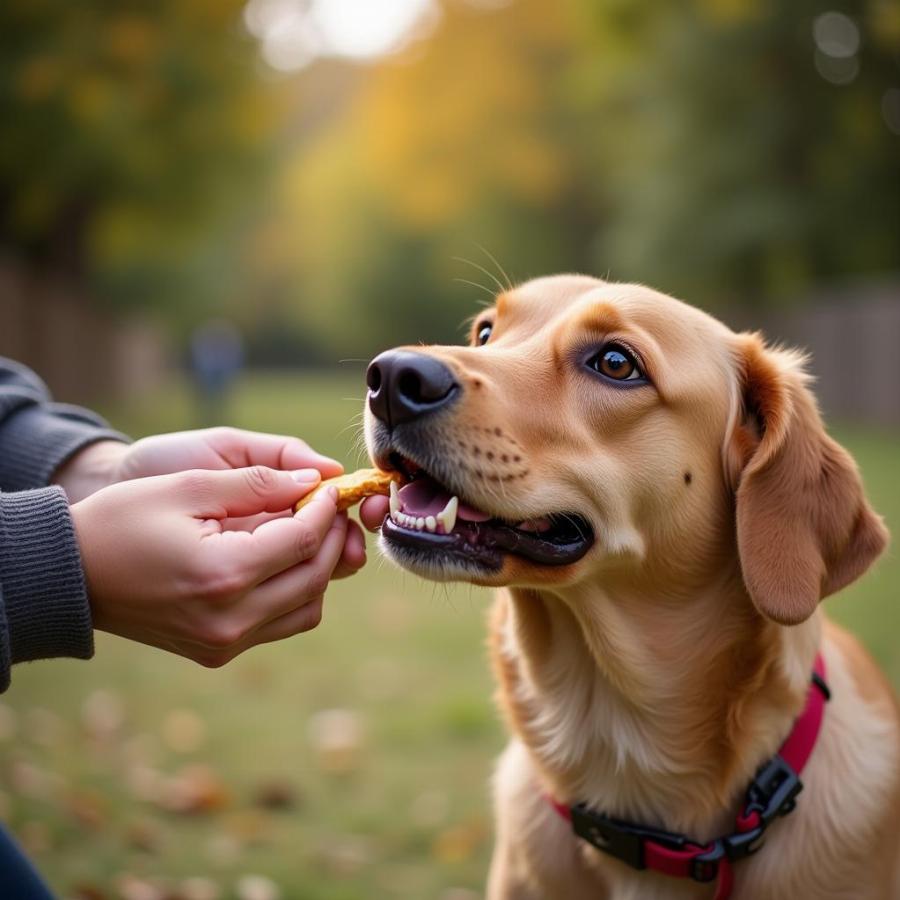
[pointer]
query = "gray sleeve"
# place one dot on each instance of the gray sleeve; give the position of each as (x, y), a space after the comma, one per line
(37, 436)
(44, 609)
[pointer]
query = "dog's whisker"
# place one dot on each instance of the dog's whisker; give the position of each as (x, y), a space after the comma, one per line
(476, 284)
(493, 259)
(491, 275)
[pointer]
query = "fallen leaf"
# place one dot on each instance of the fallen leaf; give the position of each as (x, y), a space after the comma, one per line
(248, 826)
(344, 855)
(132, 888)
(257, 887)
(199, 889)
(145, 782)
(277, 793)
(183, 731)
(30, 780)
(103, 715)
(337, 737)
(144, 835)
(87, 809)
(194, 789)
(86, 891)
(457, 844)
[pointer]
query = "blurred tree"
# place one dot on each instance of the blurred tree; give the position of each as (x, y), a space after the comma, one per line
(124, 130)
(723, 150)
(460, 142)
(744, 162)
(700, 147)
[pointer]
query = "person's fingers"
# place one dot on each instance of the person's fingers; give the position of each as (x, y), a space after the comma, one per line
(230, 493)
(295, 622)
(373, 511)
(276, 451)
(299, 585)
(353, 556)
(283, 543)
(251, 523)
(297, 454)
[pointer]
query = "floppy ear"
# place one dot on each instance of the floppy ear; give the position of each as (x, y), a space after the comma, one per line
(804, 527)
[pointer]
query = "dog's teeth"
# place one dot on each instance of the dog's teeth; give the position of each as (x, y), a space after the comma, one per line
(395, 500)
(420, 523)
(447, 516)
(430, 523)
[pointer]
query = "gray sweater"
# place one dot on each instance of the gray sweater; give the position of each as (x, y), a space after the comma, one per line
(44, 608)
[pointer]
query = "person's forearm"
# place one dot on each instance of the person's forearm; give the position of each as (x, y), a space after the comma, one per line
(90, 469)
(44, 609)
(36, 436)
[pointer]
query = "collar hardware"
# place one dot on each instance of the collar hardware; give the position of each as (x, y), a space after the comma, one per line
(771, 794)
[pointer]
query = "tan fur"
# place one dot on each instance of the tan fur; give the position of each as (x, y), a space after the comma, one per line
(654, 676)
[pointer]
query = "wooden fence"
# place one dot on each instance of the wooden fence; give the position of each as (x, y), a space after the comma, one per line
(853, 338)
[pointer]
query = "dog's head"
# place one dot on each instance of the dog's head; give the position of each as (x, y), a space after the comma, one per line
(592, 430)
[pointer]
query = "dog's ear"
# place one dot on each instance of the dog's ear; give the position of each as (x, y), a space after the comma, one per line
(804, 527)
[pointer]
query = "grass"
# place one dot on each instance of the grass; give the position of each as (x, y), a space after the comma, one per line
(88, 751)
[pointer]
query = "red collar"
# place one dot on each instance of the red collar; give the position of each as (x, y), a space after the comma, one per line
(771, 794)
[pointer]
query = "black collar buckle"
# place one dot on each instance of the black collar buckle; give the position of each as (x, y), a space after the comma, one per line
(773, 791)
(620, 839)
(771, 794)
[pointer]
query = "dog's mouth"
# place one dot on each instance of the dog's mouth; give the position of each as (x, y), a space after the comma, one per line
(425, 516)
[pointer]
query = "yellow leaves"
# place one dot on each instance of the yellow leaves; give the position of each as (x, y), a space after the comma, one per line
(252, 117)
(884, 19)
(90, 97)
(462, 119)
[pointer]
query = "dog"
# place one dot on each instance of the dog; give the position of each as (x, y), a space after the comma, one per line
(662, 510)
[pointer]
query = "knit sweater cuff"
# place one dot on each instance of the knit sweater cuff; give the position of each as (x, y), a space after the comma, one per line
(36, 440)
(44, 599)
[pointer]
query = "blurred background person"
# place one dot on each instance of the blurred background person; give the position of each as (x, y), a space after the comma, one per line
(216, 354)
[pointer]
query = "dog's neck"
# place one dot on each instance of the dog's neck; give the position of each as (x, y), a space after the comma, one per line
(656, 709)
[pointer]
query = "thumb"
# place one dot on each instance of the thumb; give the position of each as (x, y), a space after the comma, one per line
(246, 492)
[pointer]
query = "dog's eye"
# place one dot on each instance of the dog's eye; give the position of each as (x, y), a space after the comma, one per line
(617, 363)
(483, 334)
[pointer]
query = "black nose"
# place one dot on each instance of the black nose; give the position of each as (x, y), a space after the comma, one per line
(404, 386)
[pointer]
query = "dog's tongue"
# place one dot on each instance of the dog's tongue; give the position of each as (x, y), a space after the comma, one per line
(425, 497)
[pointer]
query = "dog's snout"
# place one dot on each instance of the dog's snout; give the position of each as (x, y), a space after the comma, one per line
(404, 385)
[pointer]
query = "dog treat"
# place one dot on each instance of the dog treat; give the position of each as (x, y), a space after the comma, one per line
(354, 487)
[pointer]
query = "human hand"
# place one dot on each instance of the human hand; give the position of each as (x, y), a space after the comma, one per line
(165, 566)
(219, 448)
(108, 462)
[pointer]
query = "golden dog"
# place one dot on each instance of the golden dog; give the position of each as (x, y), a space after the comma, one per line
(660, 503)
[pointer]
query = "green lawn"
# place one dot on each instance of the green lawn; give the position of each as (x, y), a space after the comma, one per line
(96, 758)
